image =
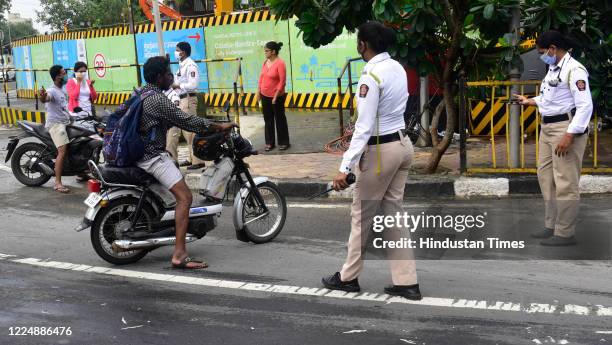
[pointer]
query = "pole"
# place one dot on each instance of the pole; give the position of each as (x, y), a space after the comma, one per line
(424, 138)
(133, 32)
(158, 27)
(340, 112)
(462, 125)
(515, 109)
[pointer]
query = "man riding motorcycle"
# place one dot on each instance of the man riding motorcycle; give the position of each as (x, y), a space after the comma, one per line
(160, 114)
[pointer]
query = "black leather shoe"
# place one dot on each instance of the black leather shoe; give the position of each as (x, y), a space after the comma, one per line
(407, 291)
(334, 282)
(558, 241)
(544, 233)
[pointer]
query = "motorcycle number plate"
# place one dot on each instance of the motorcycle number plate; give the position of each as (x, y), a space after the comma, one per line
(93, 199)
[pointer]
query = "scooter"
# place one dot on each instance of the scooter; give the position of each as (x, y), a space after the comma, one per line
(33, 163)
(130, 214)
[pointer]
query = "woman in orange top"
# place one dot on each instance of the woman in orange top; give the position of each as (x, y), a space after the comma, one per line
(271, 91)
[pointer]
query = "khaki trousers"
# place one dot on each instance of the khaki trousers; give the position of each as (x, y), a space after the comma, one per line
(190, 106)
(559, 178)
(395, 159)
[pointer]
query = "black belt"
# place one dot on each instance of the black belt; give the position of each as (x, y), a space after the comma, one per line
(191, 94)
(561, 118)
(555, 118)
(383, 139)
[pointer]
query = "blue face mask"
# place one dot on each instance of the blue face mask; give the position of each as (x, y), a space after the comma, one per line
(547, 59)
(65, 79)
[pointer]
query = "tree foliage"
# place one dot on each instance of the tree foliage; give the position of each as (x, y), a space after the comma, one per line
(446, 38)
(17, 30)
(82, 14)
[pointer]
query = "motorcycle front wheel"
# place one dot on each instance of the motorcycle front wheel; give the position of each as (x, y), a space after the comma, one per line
(110, 224)
(261, 226)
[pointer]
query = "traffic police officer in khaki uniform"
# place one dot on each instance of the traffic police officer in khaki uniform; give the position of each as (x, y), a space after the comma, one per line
(187, 80)
(565, 105)
(380, 155)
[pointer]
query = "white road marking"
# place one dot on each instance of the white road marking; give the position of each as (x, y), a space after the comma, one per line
(355, 331)
(5, 168)
(317, 206)
(604, 332)
(528, 308)
(124, 328)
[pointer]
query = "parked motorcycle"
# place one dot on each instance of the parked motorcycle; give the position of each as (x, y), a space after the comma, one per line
(33, 163)
(130, 214)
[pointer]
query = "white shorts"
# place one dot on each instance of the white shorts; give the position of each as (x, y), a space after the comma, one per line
(59, 135)
(163, 169)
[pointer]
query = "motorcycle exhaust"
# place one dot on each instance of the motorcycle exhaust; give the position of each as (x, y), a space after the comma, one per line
(35, 165)
(126, 245)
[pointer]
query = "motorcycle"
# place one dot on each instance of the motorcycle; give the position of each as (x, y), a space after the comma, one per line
(130, 214)
(33, 163)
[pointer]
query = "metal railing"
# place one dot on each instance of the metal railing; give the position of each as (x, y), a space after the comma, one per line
(236, 99)
(500, 92)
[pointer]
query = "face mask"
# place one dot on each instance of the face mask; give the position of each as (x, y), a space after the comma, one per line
(177, 55)
(65, 79)
(547, 59)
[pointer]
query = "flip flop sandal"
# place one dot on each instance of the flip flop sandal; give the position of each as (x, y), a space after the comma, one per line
(61, 189)
(184, 264)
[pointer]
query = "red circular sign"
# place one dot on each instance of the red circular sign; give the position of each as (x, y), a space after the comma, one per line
(99, 65)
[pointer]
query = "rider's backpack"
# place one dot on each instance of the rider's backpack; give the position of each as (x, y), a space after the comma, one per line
(123, 145)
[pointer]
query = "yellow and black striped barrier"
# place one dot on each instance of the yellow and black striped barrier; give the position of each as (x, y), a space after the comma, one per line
(480, 117)
(10, 116)
(190, 23)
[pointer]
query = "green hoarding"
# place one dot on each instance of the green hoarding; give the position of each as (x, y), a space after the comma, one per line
(317, 70)
(110, 51)
(42, 58)
(245, 41)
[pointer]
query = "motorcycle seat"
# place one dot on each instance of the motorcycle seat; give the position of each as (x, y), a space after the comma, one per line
(39, 128)
(128, 175)
(75, 132)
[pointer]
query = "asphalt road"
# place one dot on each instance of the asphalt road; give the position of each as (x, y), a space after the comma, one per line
(270, 294)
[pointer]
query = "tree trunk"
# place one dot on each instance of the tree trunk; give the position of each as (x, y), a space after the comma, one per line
(433, 128)
(454, 14)
(451, 121)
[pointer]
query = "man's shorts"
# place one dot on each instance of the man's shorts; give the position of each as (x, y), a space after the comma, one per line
(59, 135)
(163, 169)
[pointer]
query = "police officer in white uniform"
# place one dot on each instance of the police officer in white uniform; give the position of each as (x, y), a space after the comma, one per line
(186, 82)
(380, 155)
(566, 106)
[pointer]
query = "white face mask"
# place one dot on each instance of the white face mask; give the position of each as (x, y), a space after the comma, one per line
(177, 55)
(82, 75)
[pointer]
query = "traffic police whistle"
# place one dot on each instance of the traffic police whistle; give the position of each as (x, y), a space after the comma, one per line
(350, 179)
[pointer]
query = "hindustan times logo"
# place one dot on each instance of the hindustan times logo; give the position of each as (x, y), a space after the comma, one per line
(414, 222)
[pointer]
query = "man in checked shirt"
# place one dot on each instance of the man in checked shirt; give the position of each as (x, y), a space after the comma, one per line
(159, 114)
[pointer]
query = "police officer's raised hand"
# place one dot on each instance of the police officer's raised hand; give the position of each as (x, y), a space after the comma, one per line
(522, 100)
(564, 145)
(339, 183)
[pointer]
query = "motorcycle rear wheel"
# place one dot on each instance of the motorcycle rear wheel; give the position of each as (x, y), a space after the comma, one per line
(107, 225)
(22, 155)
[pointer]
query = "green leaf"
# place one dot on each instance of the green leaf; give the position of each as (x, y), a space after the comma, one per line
(468, 19)
(488, 11)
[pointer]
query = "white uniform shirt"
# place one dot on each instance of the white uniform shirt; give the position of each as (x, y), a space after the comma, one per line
(187, 76)
(173, 96)
(383, 90)
(572, 92)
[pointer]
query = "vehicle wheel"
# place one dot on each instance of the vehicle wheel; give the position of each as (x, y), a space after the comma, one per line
(107, 227)
(19, 164)
(261, 228)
